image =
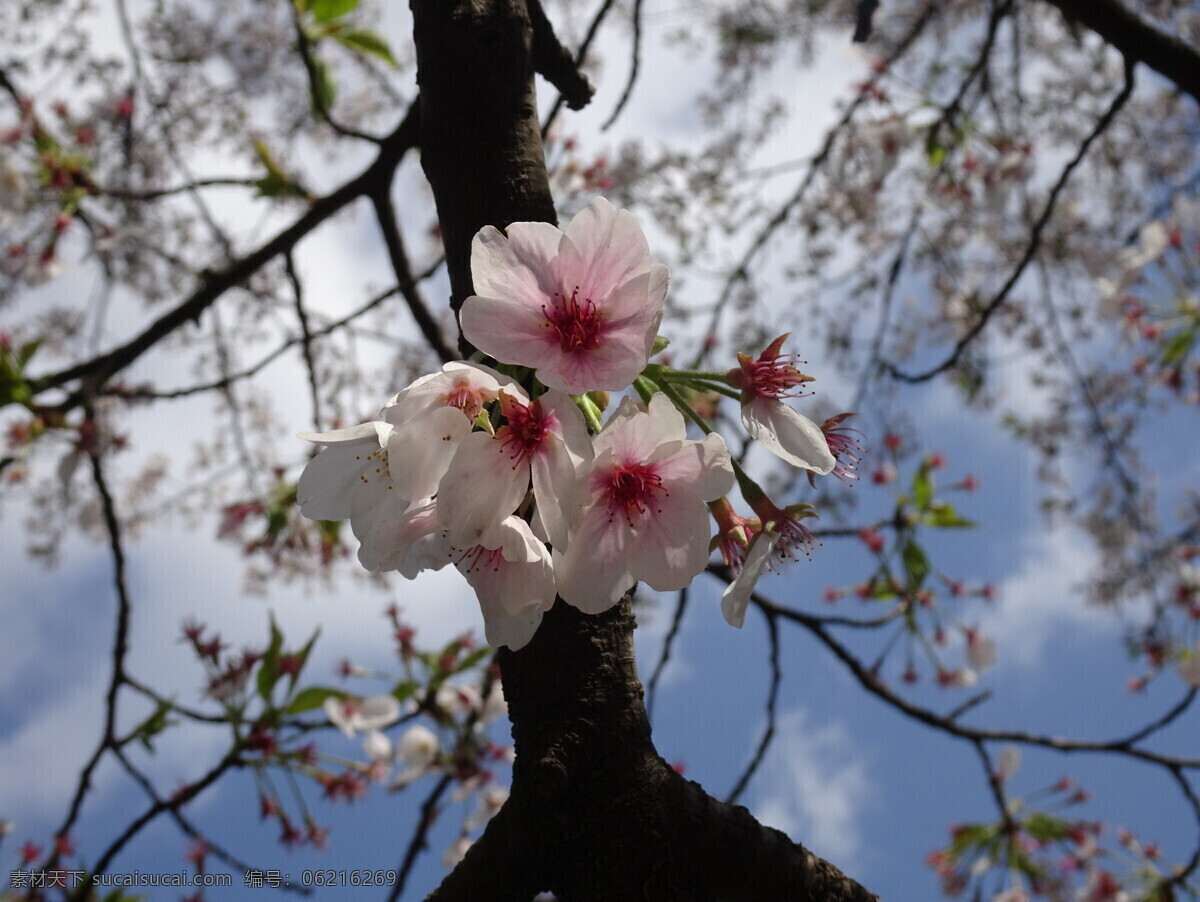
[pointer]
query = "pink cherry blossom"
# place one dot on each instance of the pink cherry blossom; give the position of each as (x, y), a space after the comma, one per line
(645, 518)
(773, 424)
(545, 441)
(582, 306)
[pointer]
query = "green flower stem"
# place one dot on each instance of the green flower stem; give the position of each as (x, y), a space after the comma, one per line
(591, 412)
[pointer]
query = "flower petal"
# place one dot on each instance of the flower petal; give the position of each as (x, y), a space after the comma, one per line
(482, 486)
(787, 434)
(671, 542)
(611, 249)
(592, 574)
(736, 597)
(521, 266)
(704, 466)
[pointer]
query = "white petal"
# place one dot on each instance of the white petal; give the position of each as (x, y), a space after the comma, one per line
(327, 485)
(418, 746)
(376, 712)
(377, 747)
(340, 713)
(420, 453)
(482, 486)
(787, 434)
(736, 597)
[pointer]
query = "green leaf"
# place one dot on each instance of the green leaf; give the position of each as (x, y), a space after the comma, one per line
(472, 659)
(153, 725)
(916, 565)
(922, 487)
(304, 652)
(370, 43)
(324, 10)
(943, 516)
(325, 88)
(968, 837)
(302, 5)
(268, 670)
(26, 351)
(404, 689)
(312, 698)
(1042, 826)
(1177, 348)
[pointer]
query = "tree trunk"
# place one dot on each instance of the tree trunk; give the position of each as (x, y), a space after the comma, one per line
(594, 813)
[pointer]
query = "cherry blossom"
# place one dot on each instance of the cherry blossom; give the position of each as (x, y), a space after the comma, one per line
(514, 582)
(582, 306)
(431, 417)
(349, 478)
(377, 747)
(418, 749)
(1189, 667)
(645, 518)
(351, 715)
(546, 440)
(774, 425)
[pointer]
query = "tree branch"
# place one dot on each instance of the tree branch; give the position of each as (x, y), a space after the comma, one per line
(97, 371)
(1138, 40)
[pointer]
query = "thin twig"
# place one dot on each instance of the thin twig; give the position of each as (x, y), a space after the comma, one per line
(665, 656)
(772, 700)
(1031, 248)
(417, 843)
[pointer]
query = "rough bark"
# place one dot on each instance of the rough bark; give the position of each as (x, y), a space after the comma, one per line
(594, 813)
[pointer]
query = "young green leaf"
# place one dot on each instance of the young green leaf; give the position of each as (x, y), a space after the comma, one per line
(369, 43)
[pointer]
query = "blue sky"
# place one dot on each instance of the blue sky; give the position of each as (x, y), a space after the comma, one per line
(846, 774)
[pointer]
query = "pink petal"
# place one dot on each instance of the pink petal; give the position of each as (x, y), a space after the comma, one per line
(519, 267)
(671, 544)
(510, 330)
(592, 574)
(703, 466)
(611, 248)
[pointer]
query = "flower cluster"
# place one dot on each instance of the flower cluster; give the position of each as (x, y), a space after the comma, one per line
(518, 483)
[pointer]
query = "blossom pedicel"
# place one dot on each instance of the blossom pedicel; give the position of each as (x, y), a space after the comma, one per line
(521, 486)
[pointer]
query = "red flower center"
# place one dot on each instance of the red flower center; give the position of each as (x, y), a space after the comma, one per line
(633, 489)
(577, 324)
(524, 430)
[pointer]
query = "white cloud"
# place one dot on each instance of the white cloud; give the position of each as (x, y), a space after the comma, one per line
(814, 787)
(1041, 601)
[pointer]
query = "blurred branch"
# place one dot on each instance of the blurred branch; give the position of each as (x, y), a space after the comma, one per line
(97, 371)
(554, 62)
(1031, 248)
(1137, 40)
(306, 337)
(385, 214)
(316, 89)
(668, 645)
(580, 56)
(772, 699)
(741, 272)
(635, 63)
(418, 842)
